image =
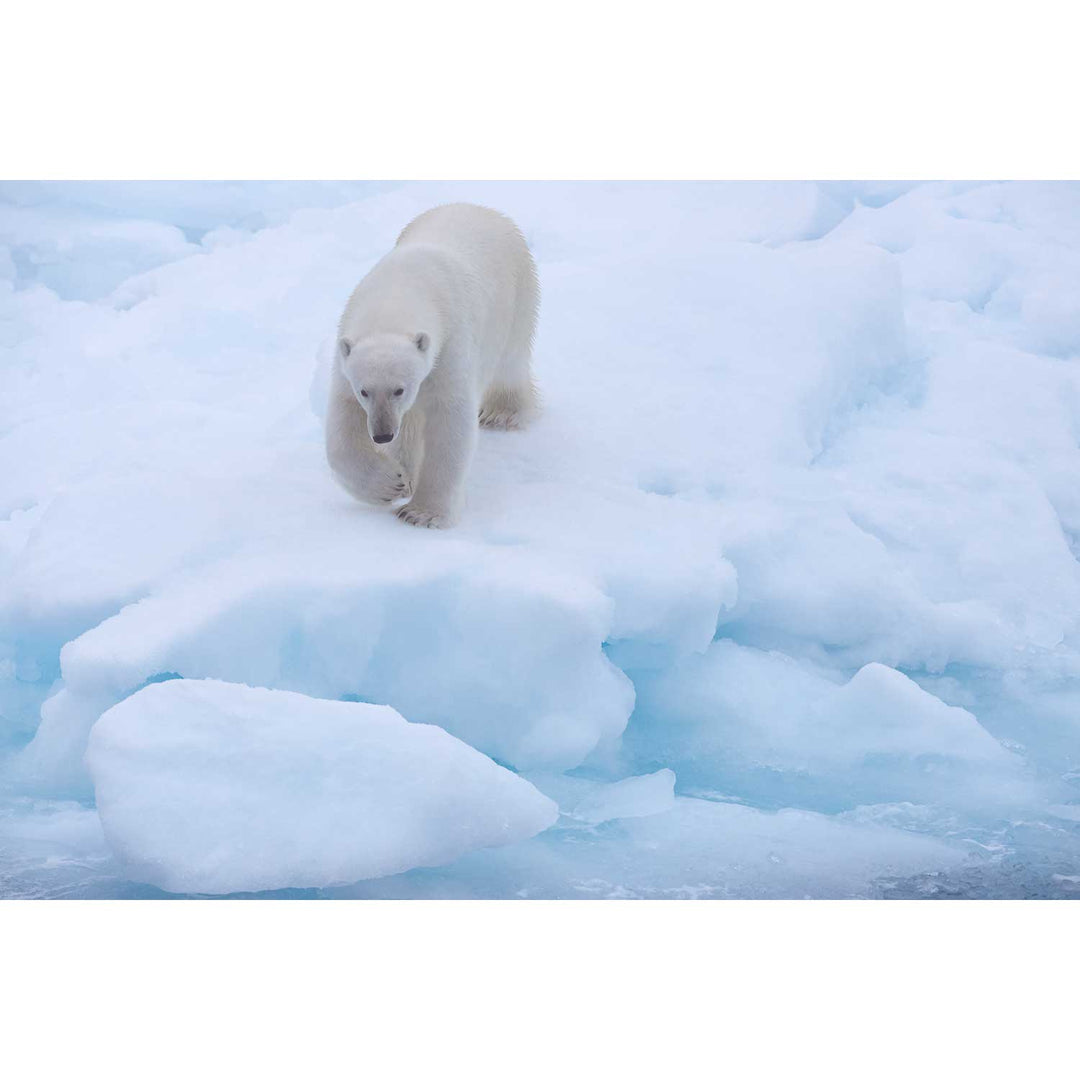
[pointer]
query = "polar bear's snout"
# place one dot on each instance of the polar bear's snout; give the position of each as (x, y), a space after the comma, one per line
(384, 420)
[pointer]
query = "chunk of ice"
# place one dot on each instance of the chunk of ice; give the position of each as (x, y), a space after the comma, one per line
(214, 787)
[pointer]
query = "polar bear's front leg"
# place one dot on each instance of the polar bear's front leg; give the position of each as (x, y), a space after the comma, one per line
(362, 470)
(450, 434)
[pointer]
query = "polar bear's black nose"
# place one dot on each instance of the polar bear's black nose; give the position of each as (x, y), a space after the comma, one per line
(382, 438)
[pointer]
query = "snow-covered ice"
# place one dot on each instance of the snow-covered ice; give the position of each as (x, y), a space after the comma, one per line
(636, 796)
(778, 597)
(753, 719)
(213, 787)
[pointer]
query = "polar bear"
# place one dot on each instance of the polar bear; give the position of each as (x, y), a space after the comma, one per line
(438, 335)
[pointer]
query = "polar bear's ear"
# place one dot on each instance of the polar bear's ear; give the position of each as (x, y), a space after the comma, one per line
(345, 347)
(422, 342)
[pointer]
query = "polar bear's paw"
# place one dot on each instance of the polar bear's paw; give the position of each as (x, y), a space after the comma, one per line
(506, 410)
(391, 486)
(425, 519)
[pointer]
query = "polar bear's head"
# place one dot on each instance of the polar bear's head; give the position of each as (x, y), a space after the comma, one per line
(385, 372)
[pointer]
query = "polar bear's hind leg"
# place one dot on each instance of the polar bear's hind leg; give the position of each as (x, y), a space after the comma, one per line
(511, 401)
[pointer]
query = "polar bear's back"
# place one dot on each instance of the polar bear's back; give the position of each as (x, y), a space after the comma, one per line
(484, 240)
(499, 277)
(468, 230)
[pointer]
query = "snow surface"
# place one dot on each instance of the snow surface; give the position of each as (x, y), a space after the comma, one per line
(797, 533)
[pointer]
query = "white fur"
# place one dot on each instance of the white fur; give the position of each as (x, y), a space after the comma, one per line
(436, 336)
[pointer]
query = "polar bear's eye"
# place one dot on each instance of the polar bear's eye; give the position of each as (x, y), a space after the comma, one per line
(363, 393)
(399, 391)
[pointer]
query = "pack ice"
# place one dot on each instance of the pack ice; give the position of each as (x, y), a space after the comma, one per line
(778, 597)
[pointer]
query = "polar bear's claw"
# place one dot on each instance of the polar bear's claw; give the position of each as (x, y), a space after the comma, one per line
(500, 419)
(424, 519)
